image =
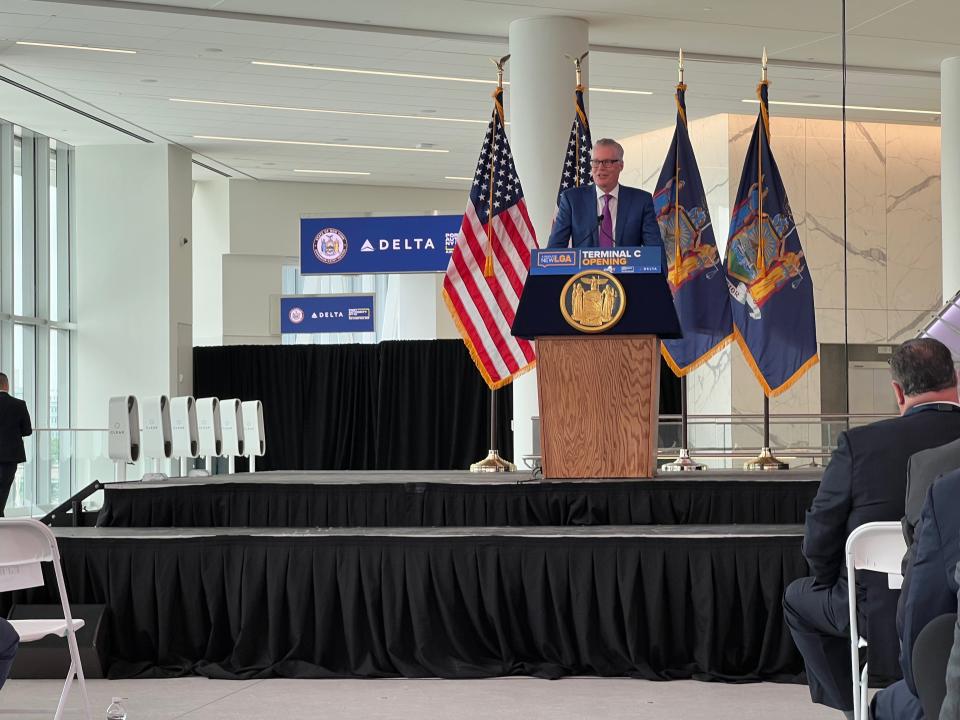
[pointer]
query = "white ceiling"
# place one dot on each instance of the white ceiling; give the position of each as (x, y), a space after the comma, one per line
(202, 49)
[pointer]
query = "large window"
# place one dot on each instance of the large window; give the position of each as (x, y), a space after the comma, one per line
(35, 310)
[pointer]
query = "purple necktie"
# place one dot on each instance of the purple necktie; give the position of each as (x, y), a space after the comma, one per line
(606, 225)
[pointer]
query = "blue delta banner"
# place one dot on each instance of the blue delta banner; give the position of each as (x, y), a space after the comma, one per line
(326, 313)
(570, 261)
(767, 273)
(353, 245)
(694, 271)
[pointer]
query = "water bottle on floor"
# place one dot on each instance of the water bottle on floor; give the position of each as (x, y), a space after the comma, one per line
(116, 711)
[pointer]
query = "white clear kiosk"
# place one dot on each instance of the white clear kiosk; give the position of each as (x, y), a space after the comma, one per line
(254, 438)
(157, 433)
(208, 428)
(186, 435)
(123, 444)
(231, 430)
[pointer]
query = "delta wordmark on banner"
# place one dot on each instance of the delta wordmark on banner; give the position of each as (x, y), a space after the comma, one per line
(489, 264)
(767, 273)
(694, 271)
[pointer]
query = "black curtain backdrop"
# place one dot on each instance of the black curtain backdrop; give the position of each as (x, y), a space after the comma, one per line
(401, 405)
(422, 504)
(259, 607)
(406, 405)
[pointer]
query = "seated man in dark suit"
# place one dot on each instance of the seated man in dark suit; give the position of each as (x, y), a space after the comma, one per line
(929, 590)
(9, 640)
(950, 710)
(923, 469)
(608, 214)
(865, 482)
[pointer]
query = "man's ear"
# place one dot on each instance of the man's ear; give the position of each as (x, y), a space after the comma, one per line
(898, 392)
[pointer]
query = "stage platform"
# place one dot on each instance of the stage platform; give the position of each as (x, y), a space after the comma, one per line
(652, 602)
(451, 499)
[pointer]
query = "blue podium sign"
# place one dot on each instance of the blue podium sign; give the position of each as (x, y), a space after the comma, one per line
(569, 261)
(344, 246)
(326, 313)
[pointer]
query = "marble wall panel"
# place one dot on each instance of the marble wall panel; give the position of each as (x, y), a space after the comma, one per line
(914, 280)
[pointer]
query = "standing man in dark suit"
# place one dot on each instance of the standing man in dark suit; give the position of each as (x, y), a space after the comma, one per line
(929, 590)
(14, 427)
(865, 482)
(607, 214)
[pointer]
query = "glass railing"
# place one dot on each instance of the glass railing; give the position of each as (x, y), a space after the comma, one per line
(726, 441)
(63, 462)
(60, 463)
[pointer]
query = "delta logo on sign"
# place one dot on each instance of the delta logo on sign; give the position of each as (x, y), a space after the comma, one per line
(310, 314)
(380, 244)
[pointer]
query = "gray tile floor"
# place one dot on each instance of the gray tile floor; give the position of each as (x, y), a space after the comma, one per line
(502, 698)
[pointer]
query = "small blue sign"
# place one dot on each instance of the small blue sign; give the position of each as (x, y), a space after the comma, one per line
(569, 261)
(344, 246)
(326, 314)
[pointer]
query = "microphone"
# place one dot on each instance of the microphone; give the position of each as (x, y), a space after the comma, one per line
(589, 235)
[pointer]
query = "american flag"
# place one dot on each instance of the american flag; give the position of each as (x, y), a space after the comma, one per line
(489, 264)
(576, 163)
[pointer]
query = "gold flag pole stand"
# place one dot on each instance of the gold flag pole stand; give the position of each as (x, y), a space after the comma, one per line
(683, 463)
(493, 463)
(766, 460)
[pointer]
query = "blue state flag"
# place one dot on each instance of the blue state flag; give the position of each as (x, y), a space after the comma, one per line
(767, 273)
(694, 271)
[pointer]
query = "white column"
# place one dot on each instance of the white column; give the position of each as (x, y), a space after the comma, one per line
(134, 294)
(950, 173)
(540, 105)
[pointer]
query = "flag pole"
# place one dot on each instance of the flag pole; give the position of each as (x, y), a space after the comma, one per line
(766, 460)
(684, 462)
(493, 462)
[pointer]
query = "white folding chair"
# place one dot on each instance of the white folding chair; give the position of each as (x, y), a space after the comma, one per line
(877, 546)
(24, 545)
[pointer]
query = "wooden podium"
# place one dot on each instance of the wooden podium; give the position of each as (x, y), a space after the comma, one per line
(599, 393)
(599, 404)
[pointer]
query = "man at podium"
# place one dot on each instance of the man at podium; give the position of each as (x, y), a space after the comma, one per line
(608, 214)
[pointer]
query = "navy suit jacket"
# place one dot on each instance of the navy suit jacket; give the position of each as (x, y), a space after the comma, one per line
(576, 223)
(866, 481)
(930, 584)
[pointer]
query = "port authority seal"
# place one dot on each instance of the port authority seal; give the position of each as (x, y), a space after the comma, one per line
(296, 315)
(330, 246)
(592, 301)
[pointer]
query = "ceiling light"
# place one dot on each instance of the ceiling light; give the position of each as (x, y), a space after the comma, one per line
(332, 172)
(454, 177)
(258, 106)
(315, 144)
(849, 107)
(419, 76)
(621, 92)
(77, 47)
(373, 72)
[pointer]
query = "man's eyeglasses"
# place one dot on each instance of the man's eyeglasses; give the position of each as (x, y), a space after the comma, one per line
(604, 163)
